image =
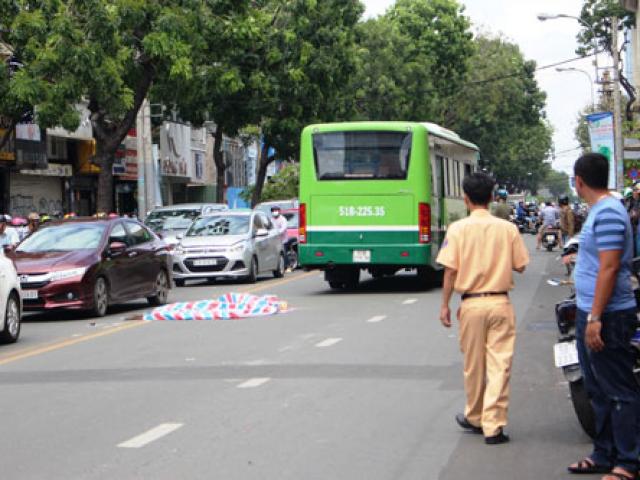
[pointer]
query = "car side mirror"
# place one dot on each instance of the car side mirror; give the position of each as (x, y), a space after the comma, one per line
(117, 248)
(262, 232)
(179, 236)
(159, 235)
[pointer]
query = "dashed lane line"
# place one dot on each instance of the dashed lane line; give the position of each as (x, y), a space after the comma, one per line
(254, 382)
(57, 345)
(328, 342)
(410, 301)
(151, 435)
(376, 319)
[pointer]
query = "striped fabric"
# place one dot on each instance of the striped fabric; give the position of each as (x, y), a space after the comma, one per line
(609, 229)
(231, 306)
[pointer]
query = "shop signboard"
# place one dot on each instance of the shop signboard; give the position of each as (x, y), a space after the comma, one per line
(125, 166)
(175, 150)
(52, 170)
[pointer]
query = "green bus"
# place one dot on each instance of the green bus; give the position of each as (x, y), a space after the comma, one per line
(378, 196)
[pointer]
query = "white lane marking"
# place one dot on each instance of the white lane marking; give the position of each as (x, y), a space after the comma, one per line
(377, 318)
(151, 435)
(328, 342)
(254, 382)
(409, 301)
(77, 335)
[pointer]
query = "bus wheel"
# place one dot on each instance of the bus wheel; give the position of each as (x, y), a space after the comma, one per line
(429, 277)
(336, 285)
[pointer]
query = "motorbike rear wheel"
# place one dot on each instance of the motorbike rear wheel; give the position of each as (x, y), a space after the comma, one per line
(582, 407)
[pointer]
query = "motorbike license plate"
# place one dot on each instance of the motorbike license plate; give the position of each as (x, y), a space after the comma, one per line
(565, 353)
(205, 262)
(30, 294)
(361, 256)
(551, 238)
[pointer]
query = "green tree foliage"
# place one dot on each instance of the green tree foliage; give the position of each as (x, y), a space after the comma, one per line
(598, 14)
(557, 183)
(105, 52)
(283, 185)
(310, 52)
(412, 60)
(501, 109)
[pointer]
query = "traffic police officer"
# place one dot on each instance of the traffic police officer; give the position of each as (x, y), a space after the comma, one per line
(479, 254)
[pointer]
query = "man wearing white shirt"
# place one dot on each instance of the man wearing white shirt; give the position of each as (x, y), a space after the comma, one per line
(8, 236)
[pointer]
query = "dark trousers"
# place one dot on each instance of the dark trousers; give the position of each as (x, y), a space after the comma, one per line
(613, 389)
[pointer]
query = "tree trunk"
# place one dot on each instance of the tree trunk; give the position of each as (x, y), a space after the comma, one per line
(105, 182)
(262, 174)
(218, 158)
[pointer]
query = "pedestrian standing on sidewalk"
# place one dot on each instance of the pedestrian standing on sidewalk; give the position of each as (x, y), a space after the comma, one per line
(567, 220)
(605, 324)
(479, 254)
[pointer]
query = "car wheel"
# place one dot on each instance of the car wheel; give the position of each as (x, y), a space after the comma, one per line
(162, 290)
(279, 271)
(100, 297)
(11, 330)
(179, 282)
(253, 271)
(336, 285)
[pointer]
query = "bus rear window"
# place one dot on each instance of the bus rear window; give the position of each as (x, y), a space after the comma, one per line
(362, 155)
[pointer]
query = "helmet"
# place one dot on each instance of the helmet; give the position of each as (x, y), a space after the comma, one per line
(628, 192)
(563, 200)
(45, 218)
(18, 221)
(502, 193)
(34, 216)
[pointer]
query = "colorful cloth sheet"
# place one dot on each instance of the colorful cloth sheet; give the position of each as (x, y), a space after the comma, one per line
(231, 306)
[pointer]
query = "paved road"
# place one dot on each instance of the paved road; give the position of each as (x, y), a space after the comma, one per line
(359, 385)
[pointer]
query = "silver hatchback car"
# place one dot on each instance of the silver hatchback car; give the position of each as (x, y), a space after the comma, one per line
(229, 244)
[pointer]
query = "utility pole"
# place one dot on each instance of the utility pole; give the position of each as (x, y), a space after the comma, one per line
(617, 108)
(142, 196)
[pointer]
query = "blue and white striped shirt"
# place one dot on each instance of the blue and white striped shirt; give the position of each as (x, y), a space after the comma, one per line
(607, 227)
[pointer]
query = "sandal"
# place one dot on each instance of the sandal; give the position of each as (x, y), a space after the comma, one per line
(620, 476)
(586, 466)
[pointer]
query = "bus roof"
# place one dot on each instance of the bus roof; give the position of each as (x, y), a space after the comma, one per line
(432, 128)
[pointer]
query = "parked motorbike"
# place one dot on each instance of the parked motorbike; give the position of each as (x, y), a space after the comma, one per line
(550, 238)
(291, 253)
(566, 353)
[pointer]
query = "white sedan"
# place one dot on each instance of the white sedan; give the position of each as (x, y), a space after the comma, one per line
(10, 301)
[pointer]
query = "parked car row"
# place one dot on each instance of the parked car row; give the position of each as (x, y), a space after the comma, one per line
(91, 263)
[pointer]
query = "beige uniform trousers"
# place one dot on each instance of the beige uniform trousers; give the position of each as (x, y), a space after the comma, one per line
(487, 337)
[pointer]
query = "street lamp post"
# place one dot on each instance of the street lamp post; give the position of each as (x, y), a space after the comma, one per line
(572, 69)
(546, 16)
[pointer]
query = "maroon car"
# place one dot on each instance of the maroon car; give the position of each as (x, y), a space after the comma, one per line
(90, 263)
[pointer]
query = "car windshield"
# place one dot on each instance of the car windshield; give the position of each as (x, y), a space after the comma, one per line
(362, 155)
(220, 225)
(63, 238)
(292, 219)
(178, 219)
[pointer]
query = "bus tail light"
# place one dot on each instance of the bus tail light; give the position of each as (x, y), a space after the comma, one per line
(302, 225)
(424, 222)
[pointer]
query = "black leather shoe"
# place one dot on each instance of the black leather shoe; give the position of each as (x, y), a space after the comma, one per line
(464, 423)
(497, 439)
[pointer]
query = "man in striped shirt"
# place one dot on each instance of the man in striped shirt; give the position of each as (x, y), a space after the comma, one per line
(605, 324)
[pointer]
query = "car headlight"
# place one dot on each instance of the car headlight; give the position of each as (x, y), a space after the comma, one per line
(64, 274)
(178, 249)
(237, 248)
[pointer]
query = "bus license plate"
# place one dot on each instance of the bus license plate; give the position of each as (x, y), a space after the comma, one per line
(207, 262)
(30, 294)
(565, 353)
(361, 256)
